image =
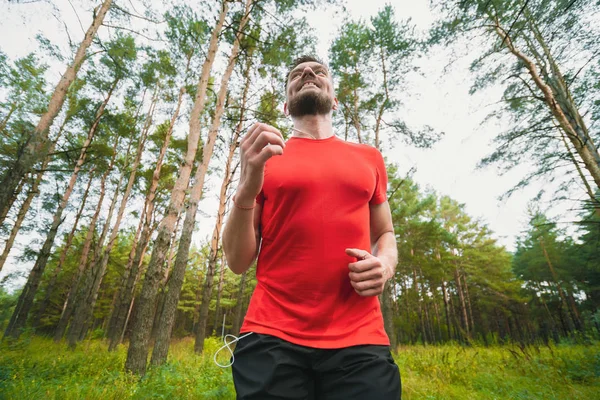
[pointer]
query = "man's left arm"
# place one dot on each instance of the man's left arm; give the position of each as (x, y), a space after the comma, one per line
(369, 274)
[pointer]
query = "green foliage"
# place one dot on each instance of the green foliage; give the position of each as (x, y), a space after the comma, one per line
(23, 100)
(560, 40)
(370, 63)
(43, 369)
(7, 303)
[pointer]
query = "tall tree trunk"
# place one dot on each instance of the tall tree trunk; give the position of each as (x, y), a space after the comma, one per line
(138, 346)
(468, 300)
(387, 309)
(86, 305)
(33, 191)
(564, 307)
(182, 257)
(463, 305)
(446, 310)
(36, 148)
(577, 320)
(219, 293)
(19, 317)
(4, 212)
(63, 255)
(550, 316)
(86, 281)
(384, 103)
(13, 108)
(88, 278)
(69, 304)
(425, 300)
(239, 305)
(19, 220)
(122, 310)
(438, 320)
(126, 273)
(420, 304)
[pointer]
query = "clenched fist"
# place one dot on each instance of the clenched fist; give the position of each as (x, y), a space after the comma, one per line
(258, 145)
(369, 274)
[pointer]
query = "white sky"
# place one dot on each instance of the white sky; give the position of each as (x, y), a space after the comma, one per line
(440, 100)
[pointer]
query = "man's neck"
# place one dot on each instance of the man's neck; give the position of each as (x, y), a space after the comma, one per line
(316, 126)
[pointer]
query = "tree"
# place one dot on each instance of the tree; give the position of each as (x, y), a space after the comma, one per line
(138, 347)
(542, 51)
(36, 146)
(370, 62)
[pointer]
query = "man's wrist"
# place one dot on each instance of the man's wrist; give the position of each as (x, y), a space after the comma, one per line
(388, 268)
(244, 200)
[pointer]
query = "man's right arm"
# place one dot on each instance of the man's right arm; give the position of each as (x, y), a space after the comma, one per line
(241, 236)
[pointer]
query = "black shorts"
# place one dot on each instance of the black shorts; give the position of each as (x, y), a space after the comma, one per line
(266, 367)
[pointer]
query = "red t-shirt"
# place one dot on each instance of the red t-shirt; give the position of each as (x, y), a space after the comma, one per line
(315, 203)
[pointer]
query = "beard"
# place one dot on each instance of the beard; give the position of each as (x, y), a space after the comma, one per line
(310, 103)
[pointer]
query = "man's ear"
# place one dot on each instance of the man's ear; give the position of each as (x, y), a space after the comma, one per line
(285, 110)
(335, 104)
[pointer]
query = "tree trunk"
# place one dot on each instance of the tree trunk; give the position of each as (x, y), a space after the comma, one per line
(379, 117)
(122, 310)
(239, 305)
(420, 304)
(436, 308)
(19, 221)
(19, 317)
(13, 108)
(83, 259)
(4, 212)
(79, 325)
(446, 310)
(387, 309)
(463, 305)
(564, 307)
(578, 321)
(468, 300)
(33, 191)
(86, 305)
(86, 282)
(138, 346)
(63, 256)
(215, 326)
(36, 148)
(182, 257)
(126, 273)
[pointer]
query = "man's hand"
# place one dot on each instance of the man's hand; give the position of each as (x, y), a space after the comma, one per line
(258, 145)
(369, 274)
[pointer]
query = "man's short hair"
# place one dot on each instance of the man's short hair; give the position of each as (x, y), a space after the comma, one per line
(303, 59)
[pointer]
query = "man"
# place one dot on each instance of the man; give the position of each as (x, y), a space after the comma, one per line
(316, 207)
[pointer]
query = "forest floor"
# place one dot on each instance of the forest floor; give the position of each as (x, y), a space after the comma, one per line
(37, 368)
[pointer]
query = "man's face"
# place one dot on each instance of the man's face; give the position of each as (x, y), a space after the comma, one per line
(309, 90)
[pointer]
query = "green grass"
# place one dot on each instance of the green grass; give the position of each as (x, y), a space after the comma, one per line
(37, 368)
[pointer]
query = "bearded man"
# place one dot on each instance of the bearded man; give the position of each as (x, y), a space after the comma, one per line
(314, 210)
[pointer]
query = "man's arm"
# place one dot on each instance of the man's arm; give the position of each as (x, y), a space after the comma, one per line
(383, 239)
(241, 238)
(241, 235)
(369, 274)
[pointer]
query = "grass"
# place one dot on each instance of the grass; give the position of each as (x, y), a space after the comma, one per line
(37, 368)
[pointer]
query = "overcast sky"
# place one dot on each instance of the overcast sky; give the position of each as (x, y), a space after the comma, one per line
(437, 99)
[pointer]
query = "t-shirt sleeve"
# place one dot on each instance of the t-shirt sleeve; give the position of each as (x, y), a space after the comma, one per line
(380, 193)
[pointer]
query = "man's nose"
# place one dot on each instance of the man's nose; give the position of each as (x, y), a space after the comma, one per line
(308, 71)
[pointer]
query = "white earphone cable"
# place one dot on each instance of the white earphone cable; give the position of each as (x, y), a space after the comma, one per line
(226, 346)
